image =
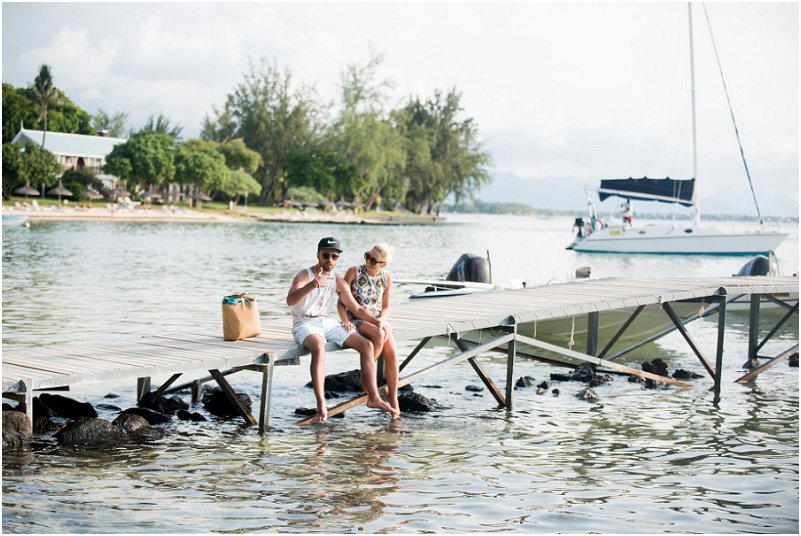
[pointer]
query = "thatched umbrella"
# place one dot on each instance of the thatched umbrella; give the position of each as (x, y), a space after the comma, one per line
(26, 190)
(59, 191)
(91, 193)
(119, 191)
(200, 196)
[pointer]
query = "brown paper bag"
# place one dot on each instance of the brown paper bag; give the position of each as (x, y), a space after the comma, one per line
(240, 315)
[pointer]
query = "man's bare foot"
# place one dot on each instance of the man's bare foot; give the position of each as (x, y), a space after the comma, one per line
(395, 405)
(383, 406)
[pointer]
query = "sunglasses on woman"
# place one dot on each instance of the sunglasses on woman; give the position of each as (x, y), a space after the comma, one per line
(372, 260)
(332, 256)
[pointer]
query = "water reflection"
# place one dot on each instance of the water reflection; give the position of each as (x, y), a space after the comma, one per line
(348, 476)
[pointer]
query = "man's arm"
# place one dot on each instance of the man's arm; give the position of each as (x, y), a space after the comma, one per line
(302, 286)
(347, 298)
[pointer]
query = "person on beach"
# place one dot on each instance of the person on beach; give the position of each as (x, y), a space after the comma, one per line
(371, 287)
(310, 298)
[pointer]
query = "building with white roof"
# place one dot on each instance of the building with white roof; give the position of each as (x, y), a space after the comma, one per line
(75, 151)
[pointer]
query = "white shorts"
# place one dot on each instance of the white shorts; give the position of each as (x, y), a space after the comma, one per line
(328, 328)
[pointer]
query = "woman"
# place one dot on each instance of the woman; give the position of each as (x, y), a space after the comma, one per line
(371, 286)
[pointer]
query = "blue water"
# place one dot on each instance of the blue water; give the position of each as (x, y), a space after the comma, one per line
(637, 460)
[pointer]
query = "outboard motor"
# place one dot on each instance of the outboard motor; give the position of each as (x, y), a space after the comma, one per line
(470, 268)
(759, 265)
(578, 225)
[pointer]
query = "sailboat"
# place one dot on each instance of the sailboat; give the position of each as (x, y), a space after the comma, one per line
(671, 238)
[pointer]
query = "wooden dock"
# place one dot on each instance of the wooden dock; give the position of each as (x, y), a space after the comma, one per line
(498, 313)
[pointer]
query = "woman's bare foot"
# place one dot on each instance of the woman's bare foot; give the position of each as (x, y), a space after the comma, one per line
(383, 406)
(322, 414)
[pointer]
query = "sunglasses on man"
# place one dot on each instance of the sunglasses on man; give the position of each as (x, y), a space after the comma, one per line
(332, 256)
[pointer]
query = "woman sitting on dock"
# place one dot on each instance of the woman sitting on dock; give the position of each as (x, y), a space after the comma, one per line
(371, 286)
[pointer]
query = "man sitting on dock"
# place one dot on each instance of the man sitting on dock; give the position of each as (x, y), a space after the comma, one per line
(312, 294)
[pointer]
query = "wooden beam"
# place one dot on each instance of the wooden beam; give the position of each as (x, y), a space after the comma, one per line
(229, 392)
(493, 389)
(597, 361)
(759, 370)
(680, 326)
(361, 399)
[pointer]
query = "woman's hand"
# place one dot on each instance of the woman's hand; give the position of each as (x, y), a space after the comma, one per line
(348, 325)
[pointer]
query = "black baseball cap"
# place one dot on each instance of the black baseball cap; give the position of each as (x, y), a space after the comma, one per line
(329, 242)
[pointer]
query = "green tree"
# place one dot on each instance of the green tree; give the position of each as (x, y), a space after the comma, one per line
(271, 117)
(146, 159)
(238, 184)
(239, 156)
(162, 124)
(367, 141)
(18, 110)
(444, 155)
(46, 96)
(27, 165)
(201, 165)
(322, 169)
(113, 124)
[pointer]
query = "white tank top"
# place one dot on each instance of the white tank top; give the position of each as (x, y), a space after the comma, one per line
(317, 303)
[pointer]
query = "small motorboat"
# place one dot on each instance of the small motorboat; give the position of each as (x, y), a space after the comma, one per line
(14, 220)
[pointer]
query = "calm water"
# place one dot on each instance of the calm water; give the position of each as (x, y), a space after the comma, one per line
(636, 461)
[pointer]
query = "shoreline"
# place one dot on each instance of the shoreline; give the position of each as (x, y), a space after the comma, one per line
(193, 215)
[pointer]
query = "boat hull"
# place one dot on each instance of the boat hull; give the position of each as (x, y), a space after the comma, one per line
(682, 240)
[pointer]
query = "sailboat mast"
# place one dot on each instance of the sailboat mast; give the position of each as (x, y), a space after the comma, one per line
(696, 196)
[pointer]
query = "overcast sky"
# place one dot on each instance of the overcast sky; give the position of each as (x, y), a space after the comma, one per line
(584, 91)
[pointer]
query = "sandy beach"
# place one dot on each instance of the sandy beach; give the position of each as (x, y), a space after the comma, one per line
(166, 214)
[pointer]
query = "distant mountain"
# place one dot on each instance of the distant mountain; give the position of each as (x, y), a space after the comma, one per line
(567, 194)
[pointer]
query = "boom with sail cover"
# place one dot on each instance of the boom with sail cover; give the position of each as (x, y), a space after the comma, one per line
(663, 190)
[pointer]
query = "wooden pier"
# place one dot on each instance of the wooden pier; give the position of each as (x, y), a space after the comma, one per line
(498, 315)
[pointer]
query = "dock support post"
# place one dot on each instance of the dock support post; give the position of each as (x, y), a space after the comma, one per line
(510, 363)
(592, 333)
(753, 332)
(719, 352)
(266, 392)
(142, 387)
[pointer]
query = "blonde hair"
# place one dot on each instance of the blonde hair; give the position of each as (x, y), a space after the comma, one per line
(383, 250)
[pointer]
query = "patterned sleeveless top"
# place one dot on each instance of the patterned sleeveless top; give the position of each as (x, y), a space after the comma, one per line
(368, 290)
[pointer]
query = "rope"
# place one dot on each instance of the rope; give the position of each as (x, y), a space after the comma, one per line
(731, 112)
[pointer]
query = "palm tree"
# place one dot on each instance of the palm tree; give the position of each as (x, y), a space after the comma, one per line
(46, 95)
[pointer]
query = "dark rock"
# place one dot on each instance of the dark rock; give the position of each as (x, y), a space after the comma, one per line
(406, 388)
(91, 432)
(152, 417)
(185, 415)
(582, 373)
(588, 394)
(112, 395)
(216, 402)
(330, 394)
(343, 382)
(137, 427)
(555, 392)
(474, 388)
(9, 407)
(636, 379)
(108, 407)
(415, 402)
(657, 366)
(44, 425)
(161, 403)
(130, 422)
(681, 374)
(68, 408)
(40, 409)
(16, 429)
(793, 360)
(599, 379)
(524, 381)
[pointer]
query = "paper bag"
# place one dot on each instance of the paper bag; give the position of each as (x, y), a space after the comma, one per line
(240, 315)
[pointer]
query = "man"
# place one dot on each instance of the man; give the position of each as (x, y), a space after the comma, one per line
(314, 290)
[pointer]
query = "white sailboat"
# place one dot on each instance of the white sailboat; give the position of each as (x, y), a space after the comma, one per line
(670, 238)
